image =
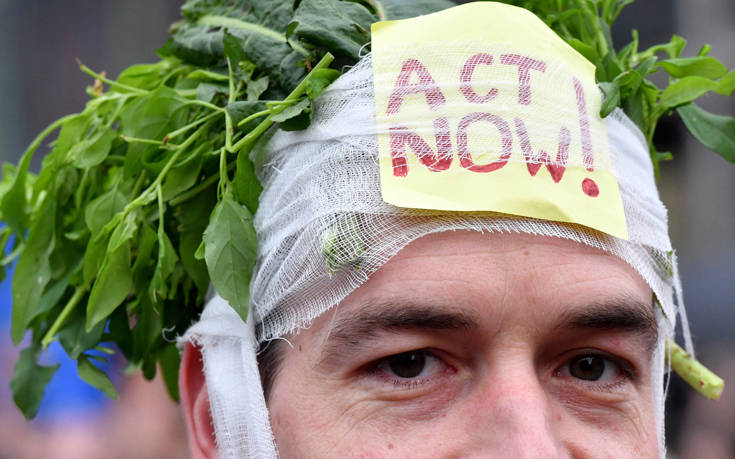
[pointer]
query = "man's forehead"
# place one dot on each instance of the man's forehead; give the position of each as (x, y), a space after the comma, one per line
(454, 258)
(460, 280)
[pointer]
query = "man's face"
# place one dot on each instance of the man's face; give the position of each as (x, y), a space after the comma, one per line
(469, 344)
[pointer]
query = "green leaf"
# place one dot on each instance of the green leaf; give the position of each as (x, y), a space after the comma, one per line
(111, 287)
(185, 173)
(202, 74)
(145, 242)
(716, 132)
(50, 298)
(165, 265)
(707, 67)
(256, 88)
(95, 377)
(241, 109)
(686, 90)
(664, 156)
(29, 381)
(629, 82)
(401, 9)
(67, 181)
(589, 52)
(197, 44)
(150, 117)
(119, 332)
(145, 334)
(144, 76)
(193, 217)
(33, 271)
(13, 200)
(260, 30)
(291, 111)
(673, 48)
(149, 366)
(169, 360)
(246, 184)
(726, 84)
(199, 252)
(318, 81)
(93, 150)
(298, 122)
(124, 231)
(102, 209)
(612, 97)
(94, 255)
(207, 91)
(75, 338)
(341, 27)
(230, 252)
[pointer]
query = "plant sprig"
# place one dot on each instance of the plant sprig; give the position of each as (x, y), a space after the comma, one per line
(147, 195)
(623, 75)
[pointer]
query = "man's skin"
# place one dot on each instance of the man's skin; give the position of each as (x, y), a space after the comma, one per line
(509, 346)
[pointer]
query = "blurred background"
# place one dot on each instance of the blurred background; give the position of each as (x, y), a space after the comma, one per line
(40, 82)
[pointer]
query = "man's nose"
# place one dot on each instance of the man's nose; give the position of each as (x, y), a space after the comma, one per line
(512, 415)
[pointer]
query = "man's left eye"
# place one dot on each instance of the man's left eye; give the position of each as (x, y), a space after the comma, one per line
(591, 367)
(411, 365)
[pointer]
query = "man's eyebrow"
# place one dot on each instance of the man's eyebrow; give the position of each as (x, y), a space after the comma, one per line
(625, 314)
(354, 331)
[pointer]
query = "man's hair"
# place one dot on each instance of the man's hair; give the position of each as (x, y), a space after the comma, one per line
(270, 355)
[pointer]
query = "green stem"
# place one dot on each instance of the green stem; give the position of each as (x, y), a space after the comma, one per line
(146, 196)
(19, 246)
(25, 160)
(4, 237)
(211, 180)
(45, 133)
(68, 308)
(193, 124)
(109, 82)
(254, 116)
(697, 375)
(204, 104)
(79, 193)
(187, 93)
(138, 184)
(158, 143)
(159, 194)
(295, 94)
(594, 21)
(207, 75)
(225, 185)
(232, 23)
(229, 131)
(378, 7)
(172, 73)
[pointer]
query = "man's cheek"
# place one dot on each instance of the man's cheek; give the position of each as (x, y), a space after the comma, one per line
(322, 425)
(619, 428)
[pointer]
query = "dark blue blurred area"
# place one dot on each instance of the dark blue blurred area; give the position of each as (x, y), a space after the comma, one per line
(67, 396)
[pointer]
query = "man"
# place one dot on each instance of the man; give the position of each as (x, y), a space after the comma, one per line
(447, 297)
(464, 344)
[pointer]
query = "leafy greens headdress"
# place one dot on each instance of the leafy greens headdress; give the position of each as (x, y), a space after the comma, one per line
(148, 194)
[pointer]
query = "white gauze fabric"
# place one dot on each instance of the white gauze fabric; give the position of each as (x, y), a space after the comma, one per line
(323, 230)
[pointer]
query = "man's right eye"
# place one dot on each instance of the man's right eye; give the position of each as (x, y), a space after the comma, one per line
(410, 365)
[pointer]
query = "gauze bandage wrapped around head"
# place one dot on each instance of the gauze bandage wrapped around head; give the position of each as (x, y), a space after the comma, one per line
(488, 127)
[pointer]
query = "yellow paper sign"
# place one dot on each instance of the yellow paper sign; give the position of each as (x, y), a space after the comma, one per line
(482, 107)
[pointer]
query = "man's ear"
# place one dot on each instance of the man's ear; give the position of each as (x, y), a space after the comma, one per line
(195, 404)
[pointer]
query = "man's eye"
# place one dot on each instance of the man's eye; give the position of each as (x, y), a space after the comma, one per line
(410, 365)
(591, 368)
